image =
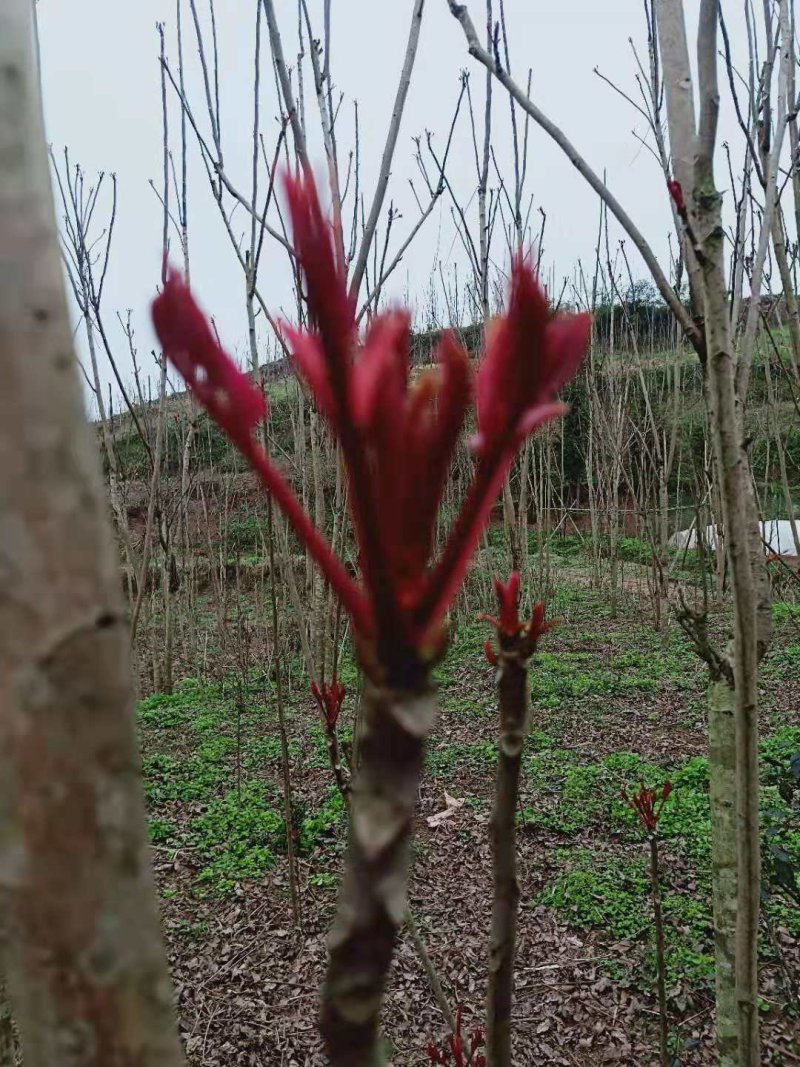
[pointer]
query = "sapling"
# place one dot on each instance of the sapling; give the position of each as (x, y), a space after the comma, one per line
(397, 441)
(329, 697)
(458, 1050)
(517, 641)
(648, 805)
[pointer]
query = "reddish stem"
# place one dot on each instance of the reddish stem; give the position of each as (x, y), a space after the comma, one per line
(343, 585)
(464, 536)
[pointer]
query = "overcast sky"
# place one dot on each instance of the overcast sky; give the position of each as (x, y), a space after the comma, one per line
(102, 99)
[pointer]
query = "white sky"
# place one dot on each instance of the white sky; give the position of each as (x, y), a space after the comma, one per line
(102, 99)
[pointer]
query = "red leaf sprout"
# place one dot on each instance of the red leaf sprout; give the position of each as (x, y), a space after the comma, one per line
(329, 698)
(458, 1050)
(676, 192)
(510, 628)
(648, 804)
(397, 437)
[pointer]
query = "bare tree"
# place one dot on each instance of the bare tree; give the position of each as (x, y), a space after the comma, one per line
(727, 383)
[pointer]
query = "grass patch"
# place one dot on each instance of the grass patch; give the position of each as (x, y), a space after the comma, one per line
(237, 836)
(598, 889)
(210, 793)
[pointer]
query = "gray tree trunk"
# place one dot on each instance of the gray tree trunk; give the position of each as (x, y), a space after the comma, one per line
(83, 955)
(722, 788)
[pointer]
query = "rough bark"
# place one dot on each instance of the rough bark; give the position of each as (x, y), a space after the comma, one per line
(83, 954)
(513, 706)
(738, 512)
(722, 789)
(372, 902)
(8, 1044)
(661, 967)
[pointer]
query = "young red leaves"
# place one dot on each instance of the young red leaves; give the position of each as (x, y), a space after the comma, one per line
(648, 804)
(229, 396)
(530, 355)
(397, 437)
(521, 636)
(459, 1050)
(237, 406)
(675, 190)
(329, 698)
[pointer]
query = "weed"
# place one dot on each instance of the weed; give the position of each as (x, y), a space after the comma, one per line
(320, 825)
(237, 836)
(164, 710)
(323, 880)
(784, 611)
(161, 830)
(443, 759)
(262, 751)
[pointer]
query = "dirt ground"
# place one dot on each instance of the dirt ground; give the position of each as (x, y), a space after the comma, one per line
(248, 974)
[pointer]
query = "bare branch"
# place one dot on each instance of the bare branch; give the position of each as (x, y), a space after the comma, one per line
(388, 148)
(690, 328)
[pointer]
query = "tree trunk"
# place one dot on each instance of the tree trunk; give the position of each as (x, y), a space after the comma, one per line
(722, 789)
(372, 901)
(742, 538)
(787, 285)
(83, 954)
(9, 1050)
(513, 700)
(677, 85)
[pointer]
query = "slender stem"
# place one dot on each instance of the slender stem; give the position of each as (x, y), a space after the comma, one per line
(512, 688)
(372, 902)
(693, 333)
(335, 759)
(333, 569)
(430, 971)
(388, 148)
(661, 969)
(286, 770)
(155, 479)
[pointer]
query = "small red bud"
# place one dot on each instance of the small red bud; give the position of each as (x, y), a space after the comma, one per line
(676, 192)
(491, 655)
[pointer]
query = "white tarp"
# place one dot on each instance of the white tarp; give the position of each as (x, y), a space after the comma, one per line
(777, 533)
